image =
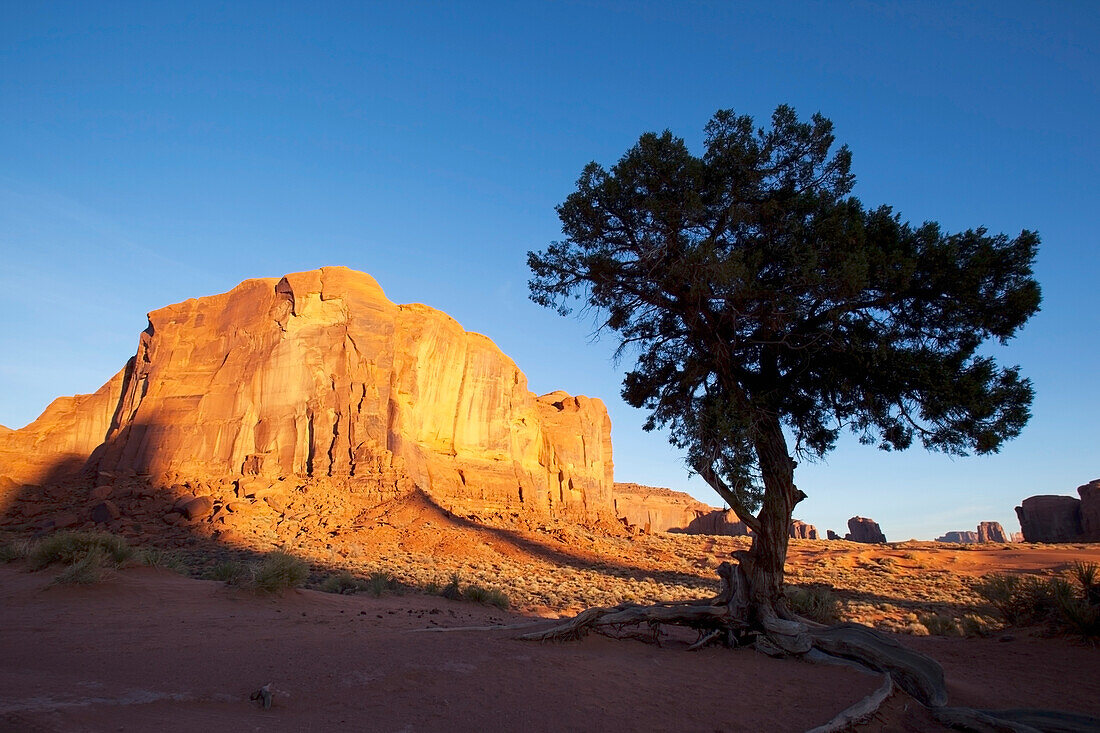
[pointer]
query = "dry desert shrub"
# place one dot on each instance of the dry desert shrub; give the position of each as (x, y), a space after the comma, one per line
(940, 624)
(1023, 601)
(816, 603)
(1064, 606)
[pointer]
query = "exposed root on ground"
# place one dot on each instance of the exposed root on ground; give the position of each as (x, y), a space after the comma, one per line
(725, 619)
(860, 711)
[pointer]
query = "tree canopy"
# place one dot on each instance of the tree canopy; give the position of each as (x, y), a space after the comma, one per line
(759, 296)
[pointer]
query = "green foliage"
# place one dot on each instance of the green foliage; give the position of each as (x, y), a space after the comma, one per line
(815, 603)
(72, 547)
(90, 567)
(228, 571)
(279, 571)
(759, 296)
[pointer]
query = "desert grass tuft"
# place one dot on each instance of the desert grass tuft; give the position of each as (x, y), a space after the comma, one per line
(14, 550)
(228, 571)
(157, 558)
(90, 568)
(486, 596)
(278, 572)
(71, 547)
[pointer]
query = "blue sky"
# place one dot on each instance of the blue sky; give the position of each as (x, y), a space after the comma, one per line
(151, 152)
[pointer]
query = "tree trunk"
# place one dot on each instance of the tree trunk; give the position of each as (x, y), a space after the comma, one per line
(765, 560)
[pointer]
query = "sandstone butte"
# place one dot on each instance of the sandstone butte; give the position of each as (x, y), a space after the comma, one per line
(317, 376)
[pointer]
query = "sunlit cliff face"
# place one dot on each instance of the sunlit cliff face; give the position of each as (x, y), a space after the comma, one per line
(317, 375)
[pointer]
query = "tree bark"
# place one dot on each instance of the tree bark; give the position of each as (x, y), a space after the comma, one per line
(763, 565)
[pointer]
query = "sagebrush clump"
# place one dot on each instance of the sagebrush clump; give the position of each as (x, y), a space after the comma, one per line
(1066, 605)
(816, 603)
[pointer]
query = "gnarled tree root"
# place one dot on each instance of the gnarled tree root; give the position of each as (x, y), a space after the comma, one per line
(1015, 721)
(724, 619)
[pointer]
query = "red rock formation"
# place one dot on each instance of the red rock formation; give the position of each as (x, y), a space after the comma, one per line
(318, 375)
(959, 537)
(991, 532)
(1090, 510)
(802, 531)
(1049, 518)
(861, 529)
(656, 509)
(831, 535)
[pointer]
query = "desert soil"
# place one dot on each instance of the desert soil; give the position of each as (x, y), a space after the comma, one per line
(149, 649)
(154, 650)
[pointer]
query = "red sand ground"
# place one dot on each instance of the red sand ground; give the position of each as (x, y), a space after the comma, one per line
(151, 650)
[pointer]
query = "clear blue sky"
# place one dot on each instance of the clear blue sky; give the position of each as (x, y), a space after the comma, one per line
(151, 152)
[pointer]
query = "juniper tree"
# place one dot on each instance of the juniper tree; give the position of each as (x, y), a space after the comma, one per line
(768, 310)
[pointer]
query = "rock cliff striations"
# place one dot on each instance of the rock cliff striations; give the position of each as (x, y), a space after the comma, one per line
(317, 375)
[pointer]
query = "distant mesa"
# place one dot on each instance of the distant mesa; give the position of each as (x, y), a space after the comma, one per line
(986, 532)
(960, 537)
(317, 376)
(656, 509)
(1051, 518)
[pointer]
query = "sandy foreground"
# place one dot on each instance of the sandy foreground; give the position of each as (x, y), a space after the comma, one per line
(153, 650)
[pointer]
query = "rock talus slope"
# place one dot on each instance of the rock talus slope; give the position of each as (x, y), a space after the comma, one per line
(318, 374)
